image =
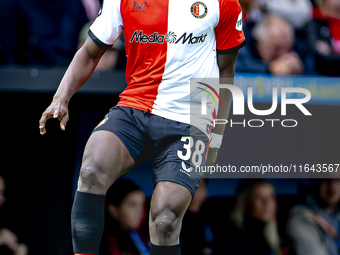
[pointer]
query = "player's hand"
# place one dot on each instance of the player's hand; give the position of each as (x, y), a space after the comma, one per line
(212, 155)
(57, 109)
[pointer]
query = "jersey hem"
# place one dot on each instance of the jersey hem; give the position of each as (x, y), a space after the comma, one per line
(167, 115)
(232, 50)
(145, 109)
(178, 117)
(99, 42)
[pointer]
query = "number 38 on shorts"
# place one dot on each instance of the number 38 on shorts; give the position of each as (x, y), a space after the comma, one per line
(193, 151)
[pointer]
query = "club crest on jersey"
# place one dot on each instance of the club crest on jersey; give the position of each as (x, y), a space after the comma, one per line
(103, 121)
(199, 10)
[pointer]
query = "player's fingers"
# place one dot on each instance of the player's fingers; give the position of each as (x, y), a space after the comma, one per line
(56, 114)
(63, 122)
(42, 123)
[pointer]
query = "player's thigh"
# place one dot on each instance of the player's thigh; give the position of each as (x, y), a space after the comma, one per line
(105, 159)
(178, 156)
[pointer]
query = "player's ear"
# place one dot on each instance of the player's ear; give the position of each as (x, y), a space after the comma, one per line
(113, 211)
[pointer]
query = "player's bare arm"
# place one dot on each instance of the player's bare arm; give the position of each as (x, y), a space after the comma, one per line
(226, 65)
(78, 72)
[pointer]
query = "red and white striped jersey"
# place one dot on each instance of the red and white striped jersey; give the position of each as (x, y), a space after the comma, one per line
(168, 42)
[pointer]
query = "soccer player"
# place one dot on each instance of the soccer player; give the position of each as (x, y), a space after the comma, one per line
(167, 42)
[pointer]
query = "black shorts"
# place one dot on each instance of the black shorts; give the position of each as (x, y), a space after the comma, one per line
(175, 148)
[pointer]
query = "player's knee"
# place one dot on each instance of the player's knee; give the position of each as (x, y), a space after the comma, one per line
(91, 178)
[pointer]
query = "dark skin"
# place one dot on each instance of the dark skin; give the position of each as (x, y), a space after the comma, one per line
(106, 158)
(226, 64)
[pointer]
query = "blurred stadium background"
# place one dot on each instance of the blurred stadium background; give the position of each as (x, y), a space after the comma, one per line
(298, 40)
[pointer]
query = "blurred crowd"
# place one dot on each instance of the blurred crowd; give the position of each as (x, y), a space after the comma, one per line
(49, 32)
(286, 37)
(290, 37)
(253, 222)
(9, 242)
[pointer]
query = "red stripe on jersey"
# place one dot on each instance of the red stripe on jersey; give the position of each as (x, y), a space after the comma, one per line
(144, 22)
(82, 254)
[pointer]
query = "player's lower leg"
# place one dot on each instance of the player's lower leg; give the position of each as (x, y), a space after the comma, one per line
(87, 220)
(105, 159)
(168, 205)
(87, 217)
(164, 233)
(165, 249)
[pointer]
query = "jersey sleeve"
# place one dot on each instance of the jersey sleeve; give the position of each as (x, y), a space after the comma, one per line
(108, 26)
(229, 33)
